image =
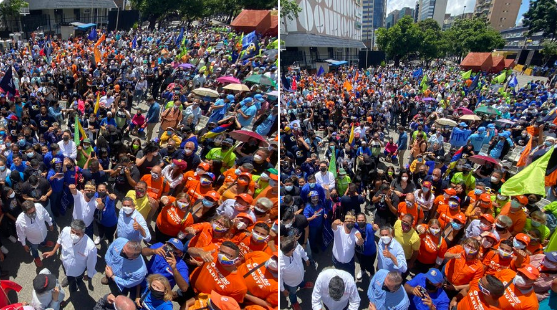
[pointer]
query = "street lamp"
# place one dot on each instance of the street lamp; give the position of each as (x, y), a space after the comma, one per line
(463, 12)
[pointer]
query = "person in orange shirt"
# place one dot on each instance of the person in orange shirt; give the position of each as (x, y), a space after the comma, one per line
(483, 205)
(232, 174)
(483, 293)
(447, 212)
(464, 265)
(241, 224)
(240, 186)
(257, 240)
(208, 235)
(519, 291)
(432, 246)
(514, 210)
(156, 185)
(497, 260)
(174, 217)
(474, 194)
(202, 168)
(409, 206)
(219, 273)
(488, 242)
(197, 189)
(444, 199)
(260, 271)
(271, 192)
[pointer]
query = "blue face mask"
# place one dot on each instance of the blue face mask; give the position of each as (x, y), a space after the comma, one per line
(478, 191)
(207, 203)
(2, 133)
(311, 185)
(456, 226)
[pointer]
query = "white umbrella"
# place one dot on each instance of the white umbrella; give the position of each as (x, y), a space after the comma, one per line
(237, 87)
(206, 92)
(446, 122)
(470, 117)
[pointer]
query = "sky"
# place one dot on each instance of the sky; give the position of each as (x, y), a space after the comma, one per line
(454, 7)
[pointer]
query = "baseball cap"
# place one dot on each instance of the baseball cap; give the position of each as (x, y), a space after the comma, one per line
(460, 217)
(490, 235)
(522, 199)
(44, 282)
(180, 163)
(313, 194)
(205, 166)
(210, 174)
(463, 124)
(530, 271)
(213, 195)
(228, 141)
(488, 217)
(223, 302)
(455, 198)
(551, 256)
(176, 243)
(523, 238)
(434, 275)
(450, 191)
(246, 216)
(245, 197)
(426, 184)
(485, 197)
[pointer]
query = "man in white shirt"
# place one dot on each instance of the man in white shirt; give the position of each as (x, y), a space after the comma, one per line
(131, 224)
(292, 270)
(85, 205)
(336, 289)
(324, 177)
(77, 255)
(390, 254)
(344, 246)
(47, 292)
(31, 229)
(67, 146)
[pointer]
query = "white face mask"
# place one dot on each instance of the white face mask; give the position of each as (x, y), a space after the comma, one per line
(386, 239)
(188, 151)
(272, 264)
(257, 157)
(182, 205)
(75, 238)
(241, 226)
(404, 179)
(12, 195)
(127, 210)
(434, 231)
(486, 243)
(520, 283)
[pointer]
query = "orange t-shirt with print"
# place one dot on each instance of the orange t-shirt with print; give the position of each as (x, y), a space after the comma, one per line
(416, 212)
(459, 271)
(261, 283)
(431, 247)
(475, 299)
(514, 298)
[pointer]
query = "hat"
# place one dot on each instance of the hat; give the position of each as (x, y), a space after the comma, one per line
(488, 217)
(467, 167)
(223, 302)
(246, 216)
(248, 99)
(551, 256)
(213, 195)
(490, 235)
(434, 276)
(341, 171)
(86, 141)
(460, 217)
(530, 271)
(522, 199)
(485, 197)
(455, 198)
(56, 160)
(426, 184)
(463, 124)
(205, 166)
(176, 243)
(228, 141)
(286, 128)
(523, 237)
(450, 191)
(313, 194)
(44, 282)
(180, 163)
(230, 97)
(210, 174)
(259, 97)
(245, 197)
(491, 126)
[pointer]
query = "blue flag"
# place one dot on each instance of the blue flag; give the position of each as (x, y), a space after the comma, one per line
(249, 39)
(180, 37)
(7, 82)
(513, 82)
(134, 42)
(474, 84)
(92, 35)
(321, 71)
(418, 73)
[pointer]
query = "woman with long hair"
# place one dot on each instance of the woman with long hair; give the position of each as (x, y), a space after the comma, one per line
(239, 186)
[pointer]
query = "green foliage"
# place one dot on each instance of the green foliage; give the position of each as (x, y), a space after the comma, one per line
(549, 50)
(541, 16)
(11, 8)
(401, 40)
(431, 39)
(289, 9)
(472, 35)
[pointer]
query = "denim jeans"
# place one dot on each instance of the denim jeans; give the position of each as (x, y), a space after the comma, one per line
(35, 248)
(292, 291)
(349, 267)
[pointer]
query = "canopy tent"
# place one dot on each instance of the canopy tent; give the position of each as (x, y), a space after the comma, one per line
(509, 63)
(498, 64)
(247, 21)
(82, 26)
(477, 62)
(336, 62)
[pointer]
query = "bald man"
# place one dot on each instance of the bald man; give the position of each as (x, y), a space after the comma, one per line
(111, 302)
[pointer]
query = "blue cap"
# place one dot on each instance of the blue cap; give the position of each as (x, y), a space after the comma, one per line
(313, 194)
(259, 97)
(481, 129)
(176, 243)
(230, 97)
(434, 275)
(551, 256)
(56, 160)
(462, 124)
(491, 126)
(248, 99)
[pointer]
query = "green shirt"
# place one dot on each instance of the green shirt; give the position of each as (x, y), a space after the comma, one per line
(81, 160)
(342, 184)
(227, 159)
(469, 181)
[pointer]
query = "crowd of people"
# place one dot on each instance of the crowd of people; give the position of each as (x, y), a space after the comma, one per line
(171, 192)
(403, 171)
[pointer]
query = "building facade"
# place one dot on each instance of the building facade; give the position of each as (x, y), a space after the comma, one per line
(433, 9)
(374, 17)
(501, 14)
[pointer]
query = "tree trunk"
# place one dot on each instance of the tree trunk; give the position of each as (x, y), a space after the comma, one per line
(152, 21)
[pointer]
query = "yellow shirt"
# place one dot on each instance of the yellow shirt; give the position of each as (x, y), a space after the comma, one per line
(142, 204)
(410, 241)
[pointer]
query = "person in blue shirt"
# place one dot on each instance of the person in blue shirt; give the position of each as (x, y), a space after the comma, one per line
(152, 117)
(364, 149)
(312, 185)
(55, 177)
(167, 261)
(316, 212)
(402, 143)
(18, 164)
(106, 218)
(220, 108)
(430, 283)
(386, 292)
(367, 252)
(54, 153)
(125, 268)
(158, 294)
(108, 120)
(477, 139)
(246, 112)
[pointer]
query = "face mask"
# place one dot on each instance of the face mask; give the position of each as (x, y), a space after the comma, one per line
(22, 142)
(486, 244)
(469, 251)
(30, 154)
(90, 194)
(127, 210)
(199, 172)
(361, 225)
(456, 226)
(242, 226)
(478, 191)
(12, 195)
(156, 294)
(182, 205)
(536, 223)
(288, 187)
(257, 158)
(390, 173)
(549, 264)
(350, 226)
(288, 225)
(32, 215)
(517, 244)
(430, 286)
(409, 204)
(404, 179)
(188, 152)
(154, 176)
(139, 194)
(157, 154)
(520, 283)
(75, 238)
(420, 160)
(386, 239)
(311, 185)
(264, 177)
(207, 203)
(2, 168)
(272, 264)
(323, 169)
(66, 138)
(223, 260)
(257, 237)
(548, 144)
(435, 231)
(169, 132)
(205, 182)
(435, 178)
(501, 197)
(237, 171)
(122, 254)
(515, 205)
(425, 190)
(494, 180)
(217, 228)
(272, 183)
(504, 254)
(459, 167)
(453, 204)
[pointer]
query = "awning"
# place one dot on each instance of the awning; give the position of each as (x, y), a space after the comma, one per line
(82, 26)
(337, 62)
(313, 40)
(71, 4)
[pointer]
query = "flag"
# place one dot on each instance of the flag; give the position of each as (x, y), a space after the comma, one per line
(249, 39)
(101, 40)
(418, 73)
(134, 42)
(474, 83)
(93, 34)
(294, 86)
(466, 75)
(215, 132)
(180, 37)
(423, 83)
(351, 138)
(513, 82)
(76, 131)
(501, 78)
(7, 82)
(321, 71)
(531, 180)
(333, 163)
(457, 155)
(526, 152)
(98, 103)
(97, 53)
(347, 85)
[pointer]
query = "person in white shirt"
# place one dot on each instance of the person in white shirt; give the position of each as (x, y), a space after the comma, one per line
(292, 270)
(390, 254)
(85, 205)
(67, 146)
(47, 292)
(131, 224)
(325, 178)
(31, 228)
(344, 246)
(336, 289)
(78, 254)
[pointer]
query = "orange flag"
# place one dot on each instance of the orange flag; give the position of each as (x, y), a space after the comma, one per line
(97, 55)
(101, 40)
(524, 156)
(347, 85)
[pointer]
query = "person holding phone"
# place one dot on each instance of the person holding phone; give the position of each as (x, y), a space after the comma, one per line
(167, 261)
(426, 291)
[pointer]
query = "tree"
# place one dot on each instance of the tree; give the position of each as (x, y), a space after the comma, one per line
(193, 9)
(431, 38)
(289, 9)
(549, 50)
(152, 10)
(541, 16)
(401, 40)
(472, 35)
(11, 9)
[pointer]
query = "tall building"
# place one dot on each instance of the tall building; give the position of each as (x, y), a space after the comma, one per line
(323, 30)
(374, 13)
(501, 14)
(405, 11)
(391, 19)
(433, 9)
